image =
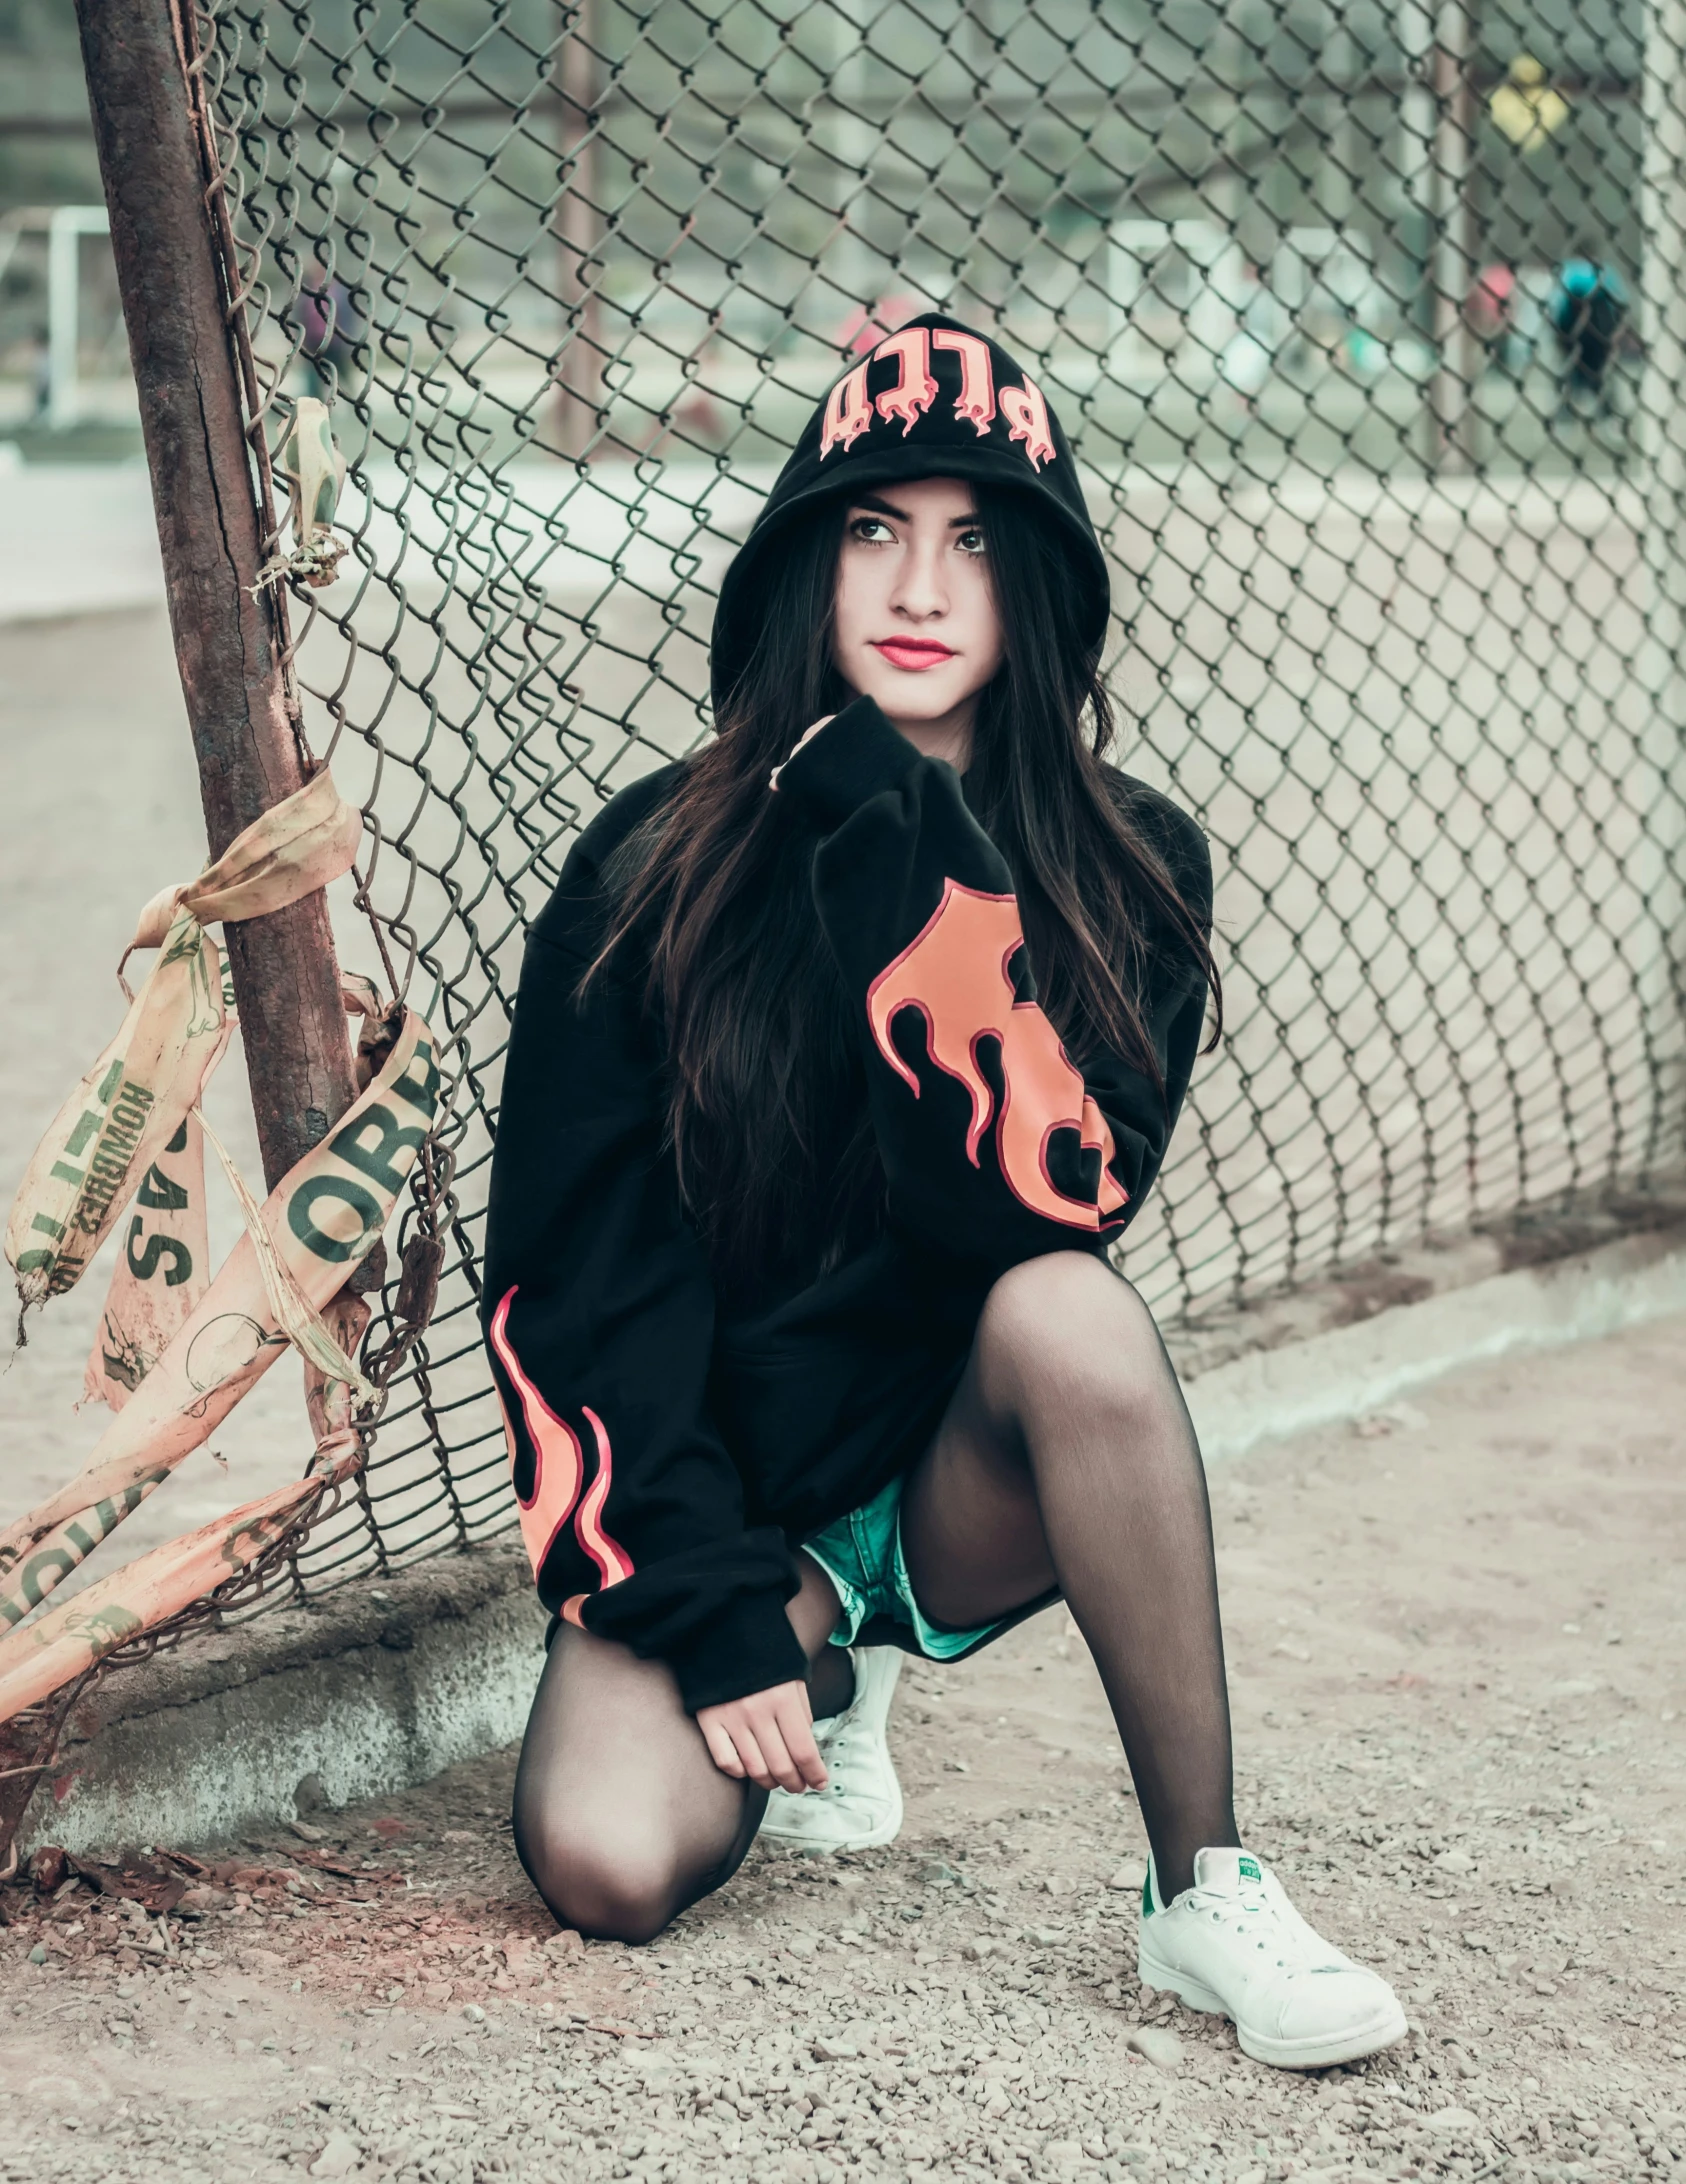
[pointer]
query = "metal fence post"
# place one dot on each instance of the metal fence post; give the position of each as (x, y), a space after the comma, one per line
(1662, 420)
(578, 232)
(1662, 434)
(1452, 396)
(286, 980)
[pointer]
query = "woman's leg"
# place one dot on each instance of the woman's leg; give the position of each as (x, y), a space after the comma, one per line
(1067, 1457)
(621, 1817)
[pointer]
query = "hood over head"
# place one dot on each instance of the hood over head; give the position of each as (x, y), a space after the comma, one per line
(936, 399)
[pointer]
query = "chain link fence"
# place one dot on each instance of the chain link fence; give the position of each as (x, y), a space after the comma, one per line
(1367, 323)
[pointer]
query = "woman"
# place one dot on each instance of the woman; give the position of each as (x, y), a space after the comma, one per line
(797, 1290)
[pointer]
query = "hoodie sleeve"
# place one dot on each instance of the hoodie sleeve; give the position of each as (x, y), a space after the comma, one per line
(996, 1144)
(598, 1313)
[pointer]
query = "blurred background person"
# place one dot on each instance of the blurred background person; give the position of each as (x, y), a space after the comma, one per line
(1588, 314)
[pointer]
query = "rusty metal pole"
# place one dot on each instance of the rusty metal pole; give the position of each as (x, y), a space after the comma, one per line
(1452, 395)
(578, 228)
(286, 979)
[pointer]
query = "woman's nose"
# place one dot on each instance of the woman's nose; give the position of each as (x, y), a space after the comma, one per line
(920, 591)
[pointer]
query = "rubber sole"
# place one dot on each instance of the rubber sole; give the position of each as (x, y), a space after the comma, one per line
(1322, 2054)
(873, 1838)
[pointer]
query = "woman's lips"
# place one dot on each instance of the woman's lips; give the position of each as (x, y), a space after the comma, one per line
(912, 652)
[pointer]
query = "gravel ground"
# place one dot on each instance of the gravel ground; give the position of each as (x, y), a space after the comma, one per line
(1455, 1642)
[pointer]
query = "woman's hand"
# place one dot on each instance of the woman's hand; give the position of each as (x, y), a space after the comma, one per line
(768, 1738)
(807, 736)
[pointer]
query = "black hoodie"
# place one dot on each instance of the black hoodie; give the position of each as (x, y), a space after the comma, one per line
(667, 1453)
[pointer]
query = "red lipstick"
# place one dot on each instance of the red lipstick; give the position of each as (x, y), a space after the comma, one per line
(912, 653)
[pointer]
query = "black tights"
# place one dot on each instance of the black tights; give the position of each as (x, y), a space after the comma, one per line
(1065, 1459)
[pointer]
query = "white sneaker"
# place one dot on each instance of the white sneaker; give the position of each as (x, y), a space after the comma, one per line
(861, 1804)
(1233, 1943)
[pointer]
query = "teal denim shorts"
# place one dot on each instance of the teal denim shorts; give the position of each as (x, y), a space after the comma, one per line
(862, 1555)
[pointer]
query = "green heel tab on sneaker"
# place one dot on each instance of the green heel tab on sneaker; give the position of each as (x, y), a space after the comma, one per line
(1247, 1868)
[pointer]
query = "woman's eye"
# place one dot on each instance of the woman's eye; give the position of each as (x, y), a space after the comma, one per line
(971, 542)
(872, 531)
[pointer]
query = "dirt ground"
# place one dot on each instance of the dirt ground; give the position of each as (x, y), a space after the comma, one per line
(1455, 1642)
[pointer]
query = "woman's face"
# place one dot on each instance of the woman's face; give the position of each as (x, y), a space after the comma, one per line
(915, 625)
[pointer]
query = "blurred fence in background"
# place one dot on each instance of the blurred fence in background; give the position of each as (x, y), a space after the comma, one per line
(1367, 322)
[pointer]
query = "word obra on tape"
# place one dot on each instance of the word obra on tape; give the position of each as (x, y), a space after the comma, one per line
(176, 1349)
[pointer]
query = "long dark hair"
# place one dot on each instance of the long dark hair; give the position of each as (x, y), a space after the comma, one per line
(767, 1090)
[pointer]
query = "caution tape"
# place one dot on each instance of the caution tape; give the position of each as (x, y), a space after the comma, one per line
(314, 469)
(176, 1351)
(126, 1110)
(156, 1587)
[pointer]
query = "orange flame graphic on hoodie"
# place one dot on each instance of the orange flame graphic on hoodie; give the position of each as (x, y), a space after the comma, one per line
(558, 1472)
(955, 973)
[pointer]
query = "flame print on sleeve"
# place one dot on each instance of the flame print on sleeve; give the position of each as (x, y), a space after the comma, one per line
(558, 1461)
(955, 973)
(558, 1472)
(612, 1560)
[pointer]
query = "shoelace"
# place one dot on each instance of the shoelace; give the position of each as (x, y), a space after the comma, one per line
(1301, 1949)
(834, 1751)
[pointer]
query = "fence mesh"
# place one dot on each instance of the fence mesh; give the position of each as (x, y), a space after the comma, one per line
(1366, 324)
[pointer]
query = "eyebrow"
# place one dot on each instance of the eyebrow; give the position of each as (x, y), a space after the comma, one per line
(879, 507)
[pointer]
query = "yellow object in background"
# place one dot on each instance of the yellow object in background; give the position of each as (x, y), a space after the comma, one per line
(1526, 108)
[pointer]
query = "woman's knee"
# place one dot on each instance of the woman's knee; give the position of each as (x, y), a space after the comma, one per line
(1067, 1322)
(602, 1873)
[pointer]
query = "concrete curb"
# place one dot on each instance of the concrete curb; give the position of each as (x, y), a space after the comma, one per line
(373, 1689)
(1348, 1371)
(380, 1686)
